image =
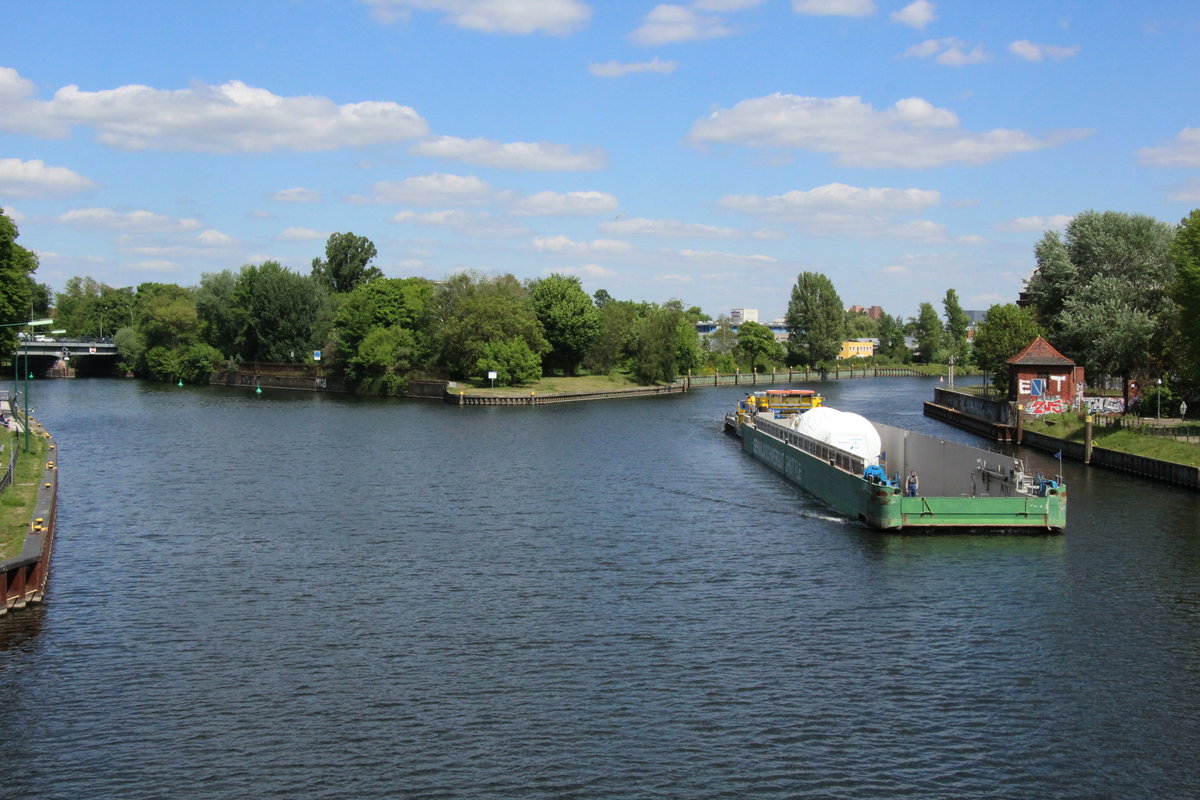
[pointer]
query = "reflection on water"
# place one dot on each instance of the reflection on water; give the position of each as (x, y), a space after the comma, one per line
(295, 595)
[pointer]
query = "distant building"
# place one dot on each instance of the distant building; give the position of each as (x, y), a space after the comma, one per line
(777, 326)
(739, 315)
(858, 348)
(974, 320)
(874, 312)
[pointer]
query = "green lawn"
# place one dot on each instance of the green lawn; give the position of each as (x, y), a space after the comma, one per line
(17, 501)
(552, 385)
(1124, 439)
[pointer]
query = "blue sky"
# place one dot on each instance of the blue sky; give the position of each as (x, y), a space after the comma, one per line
(708, 150)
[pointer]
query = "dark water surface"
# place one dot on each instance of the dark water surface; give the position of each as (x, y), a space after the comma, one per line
(299, 596)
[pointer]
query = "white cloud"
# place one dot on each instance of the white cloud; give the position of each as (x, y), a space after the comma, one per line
(617, 69)
(583, 271)
(1186, 193)
(832, 197)
(719, 257)
(561, 245)
(1184, 151)
(669, 23)
(299, 234)
(230, 118)
(912, 133)
(723, 6)
(531, 156)
(556, 17)
(673, 229)
(214, 238)
(541, 204)
(1037, 224)
(435, 189)
(35, 179)
(297, 195)
(158, 265)
(949, 52)
(480, 224)
(834, 8)
(141, 221)
(917, 14)
(1029, 51)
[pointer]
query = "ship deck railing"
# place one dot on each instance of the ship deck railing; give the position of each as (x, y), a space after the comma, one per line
(833, 456)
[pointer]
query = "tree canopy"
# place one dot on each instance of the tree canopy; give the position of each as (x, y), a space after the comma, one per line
(1103, 290)
(570, 321)
(814, 320)
(1004, 332)
(1185, 256)
(347, 263)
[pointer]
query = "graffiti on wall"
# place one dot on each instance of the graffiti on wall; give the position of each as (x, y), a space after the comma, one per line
(1105, 405)
(1052, 406)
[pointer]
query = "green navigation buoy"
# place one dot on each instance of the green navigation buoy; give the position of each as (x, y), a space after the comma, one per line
(180, 382)
(258, 390)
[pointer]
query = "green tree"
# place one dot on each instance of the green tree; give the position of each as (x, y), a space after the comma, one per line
(1185, 255)
(664, 345)
(1110, 265)
(858, 325)
(469, 310)
(891, 340)
(1004, 332)
(756, 347)
(614, 335)
(286, 314)
(511, 360)
(814, 320)
(75, 306)
(386, 303)
(570, 321)
(722, 340)
(928, 332)
(222, 319)
(957, 323)
(347, 263)
(17, 266)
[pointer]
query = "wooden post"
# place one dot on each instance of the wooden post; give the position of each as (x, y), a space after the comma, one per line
(1087, 439)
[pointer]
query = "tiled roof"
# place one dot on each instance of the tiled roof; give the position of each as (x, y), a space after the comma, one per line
(1040, 353)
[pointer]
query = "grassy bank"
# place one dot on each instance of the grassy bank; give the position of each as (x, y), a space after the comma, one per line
(1123, 439)
(17, 501)
(553, 384)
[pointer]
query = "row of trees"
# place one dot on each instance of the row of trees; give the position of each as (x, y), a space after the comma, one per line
(817, 326)
(378, 332)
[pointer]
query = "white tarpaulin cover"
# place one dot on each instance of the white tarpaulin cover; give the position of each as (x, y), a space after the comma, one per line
(841, 429)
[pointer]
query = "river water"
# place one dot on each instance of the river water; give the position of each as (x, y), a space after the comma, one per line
(302, 596)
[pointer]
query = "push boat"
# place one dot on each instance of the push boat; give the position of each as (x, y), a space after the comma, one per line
(863, 469)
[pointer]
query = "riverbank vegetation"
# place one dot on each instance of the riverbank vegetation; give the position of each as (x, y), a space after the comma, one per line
(378, 333)
(17, 501)
(1179, 443)
(1118, 293)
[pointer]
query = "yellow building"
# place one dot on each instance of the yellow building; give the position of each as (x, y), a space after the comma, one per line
(857, 348)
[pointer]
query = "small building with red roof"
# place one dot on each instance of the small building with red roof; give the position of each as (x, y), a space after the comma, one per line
(1043, 380)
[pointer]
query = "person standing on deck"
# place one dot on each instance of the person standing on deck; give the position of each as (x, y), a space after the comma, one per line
(912, 484)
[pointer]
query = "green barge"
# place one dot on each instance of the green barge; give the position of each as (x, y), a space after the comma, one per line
(960, 487)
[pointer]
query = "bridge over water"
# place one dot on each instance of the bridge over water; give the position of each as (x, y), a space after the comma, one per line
(84, 356)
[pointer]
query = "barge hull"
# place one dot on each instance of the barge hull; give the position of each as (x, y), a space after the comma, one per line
(885, 507)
